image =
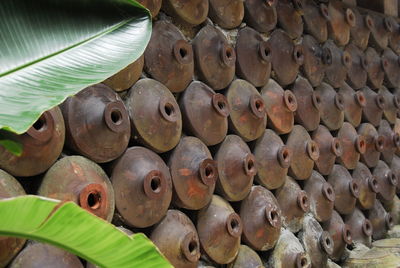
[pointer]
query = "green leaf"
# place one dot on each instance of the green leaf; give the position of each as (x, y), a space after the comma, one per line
(12, 146)
(70, 227)
(51, 49)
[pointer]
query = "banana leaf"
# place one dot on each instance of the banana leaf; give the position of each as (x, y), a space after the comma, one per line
(51, 49)
(66, 225)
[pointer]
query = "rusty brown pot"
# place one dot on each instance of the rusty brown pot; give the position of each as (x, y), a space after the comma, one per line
(44, 255)
(340, 233)
(354, 102)
(169, 57)
(226, 13)
(332, 106)
(236, 168)
(214, 57)
(340, 21)
(125, 78)
(329, 149)
(187, 12)
(176, 237)
(373, 110)
(261, 15)
(155, 115)
(353, 145)
(321, 196)
(317, 242)
(253, 53)
(346, 189)
(280, 105)
(289, 17)
(337, 64)
(219, 229)
(360, 227)
(289, 252)
(97, 123)
(304, 152)
(387, 182)
(205, 113)
(273, 160)
(308, 104)
(248, 117)
(375, 73)
(261, 218)
(368, 186)
(142, 186)
(374, 144)
(315, 20)
(77, 179)
(42, 144)
(286, 57)
(9, 246)
(315, 59)
(193, 173)
(294, 203)
(381, 221)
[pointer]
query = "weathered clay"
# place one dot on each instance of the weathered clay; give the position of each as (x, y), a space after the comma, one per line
(246, 258)
(169, 57)
(97, 123)
(353, 145)
(226, 13)
(248, 117)
(341, 20)
(368, 186)
(381, 221)
(308, 104)
(359, 34)
(375, 73)
(289, 252)
(315, 20)
(332, 106)
(273, 160)
(189, 12)
(340, 233)
(236, 168)
(391, 141)
(280, 105)
(387, 182)
(142, 186)
(294, 203)
(45, 255)
(304, 152)
(315, 59)
(392, 106)
(77, 179)
(356, 74)
(261, 218)
(346, 189)
(381, 28)
(261, 14)
(286, 57)
(125, 78)
(337, 64)
(176, 237)
(9, 246)
(155, 115)
(321, 196)
(317, 242)
(42, 144)
(253, 57)
(373, 110)
(193, 173)
(214, 57)
(205, 113)
(219, 229)
(152, 5)
(360, 227)
(354, 102)
(329, 149)
(289, 17)
(391, 67)
(373, 144)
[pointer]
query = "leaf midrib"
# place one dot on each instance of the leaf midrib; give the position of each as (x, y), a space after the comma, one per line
(106, 31)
